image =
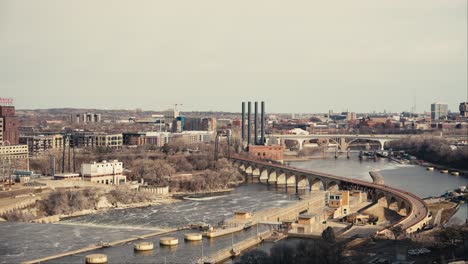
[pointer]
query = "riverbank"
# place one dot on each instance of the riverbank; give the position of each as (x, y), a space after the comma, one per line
(103, 208)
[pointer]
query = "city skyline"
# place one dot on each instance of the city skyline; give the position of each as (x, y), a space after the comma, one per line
(209, 56)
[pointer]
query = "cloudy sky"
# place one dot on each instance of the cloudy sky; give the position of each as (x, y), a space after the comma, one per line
(298, 56)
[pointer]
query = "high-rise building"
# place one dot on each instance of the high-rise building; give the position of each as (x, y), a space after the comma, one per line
(170, 115)
(439, 111)
(9, 125)
(464, 109)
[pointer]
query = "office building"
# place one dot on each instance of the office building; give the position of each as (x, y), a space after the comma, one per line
(40, 143)
(439, 111)
(109, 140)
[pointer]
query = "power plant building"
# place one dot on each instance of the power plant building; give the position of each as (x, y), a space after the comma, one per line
(104, 172)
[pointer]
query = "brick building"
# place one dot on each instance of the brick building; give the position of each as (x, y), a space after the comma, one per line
(9, 125)
(267, 152)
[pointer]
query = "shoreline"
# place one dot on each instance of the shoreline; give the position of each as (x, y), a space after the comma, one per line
(167, 199)
(57, 218)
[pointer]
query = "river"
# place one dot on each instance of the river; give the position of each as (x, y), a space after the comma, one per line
(24, 241)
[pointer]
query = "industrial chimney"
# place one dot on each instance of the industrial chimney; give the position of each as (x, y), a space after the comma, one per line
(243, 122)
(262, 124)
(249, 125)
(256, 124)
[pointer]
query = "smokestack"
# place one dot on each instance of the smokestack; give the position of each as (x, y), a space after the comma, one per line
(262, 124)
(249, 126)
(243, 122)
(256, 124)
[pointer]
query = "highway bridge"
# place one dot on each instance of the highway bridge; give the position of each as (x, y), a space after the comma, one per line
(342, 140)
(414, 210)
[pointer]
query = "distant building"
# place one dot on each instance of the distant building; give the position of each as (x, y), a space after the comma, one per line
(192, 137)
(170, 115)
(199, 124)
(463, 109)
(14, 152)
(439, 111)
(157, 139)
(84, 139)
(9, 125)
(223, 123)
(40, 143)
(351, 116)
(109, 141)
(85, 118)
(134, 139)
(104, 172)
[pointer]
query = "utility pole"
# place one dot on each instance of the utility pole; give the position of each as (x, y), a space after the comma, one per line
(63, 154)
(74, 156)
(69, 156)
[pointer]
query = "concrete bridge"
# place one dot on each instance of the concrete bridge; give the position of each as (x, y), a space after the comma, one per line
(413, 209)
(342, 140)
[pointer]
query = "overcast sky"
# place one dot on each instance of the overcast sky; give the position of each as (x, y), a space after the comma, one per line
(298, 56)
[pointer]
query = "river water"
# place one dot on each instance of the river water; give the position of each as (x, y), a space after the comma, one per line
(24, 241)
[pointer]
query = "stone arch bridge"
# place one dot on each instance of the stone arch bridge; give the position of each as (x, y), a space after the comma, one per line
(413, 208)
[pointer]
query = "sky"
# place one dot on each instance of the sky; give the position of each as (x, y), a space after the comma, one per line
(300, 56)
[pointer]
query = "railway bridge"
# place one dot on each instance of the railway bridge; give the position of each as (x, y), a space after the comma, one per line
(414, 210)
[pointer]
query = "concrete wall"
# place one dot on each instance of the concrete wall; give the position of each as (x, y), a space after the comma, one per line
(155, 190)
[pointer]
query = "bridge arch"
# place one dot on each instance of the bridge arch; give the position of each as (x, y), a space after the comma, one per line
(272, 178)
(403, 208)
(249, 169)
(332, 186)
(381, 143)
(264, 175)
(242, 167)
(255, 171)
(281, 177)
(316, 184)
(393, 204)
(303, 182)
(381, 199)
(290, 180)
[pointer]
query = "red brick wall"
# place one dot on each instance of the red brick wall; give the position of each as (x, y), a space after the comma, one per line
(10, 129)
(267, 152)
(7, 111)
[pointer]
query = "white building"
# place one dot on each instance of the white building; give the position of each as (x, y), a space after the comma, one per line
(104, 172)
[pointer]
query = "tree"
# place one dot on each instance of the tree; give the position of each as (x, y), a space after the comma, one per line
(254, 257)
(397, 231)
(328, 235)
